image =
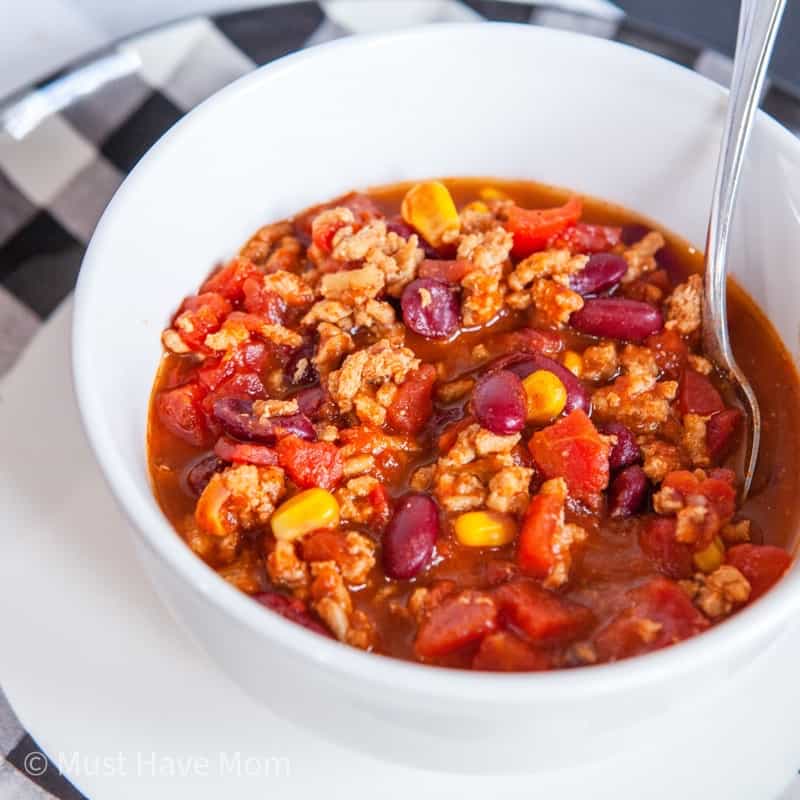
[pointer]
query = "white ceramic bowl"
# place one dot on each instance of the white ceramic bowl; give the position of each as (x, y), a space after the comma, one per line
(495, 100)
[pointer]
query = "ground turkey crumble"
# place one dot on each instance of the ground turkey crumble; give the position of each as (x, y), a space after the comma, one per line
(717, 594)
(637, 398)
(240, 497)
(641, 256)
(368, 379)
(374, 245)
(478, 471)
(483, 287)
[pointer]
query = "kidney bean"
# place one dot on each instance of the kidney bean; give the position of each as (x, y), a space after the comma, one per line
(236, 452)
(523, 364)
(625, 452)
(430, 308)
(291, 608)
(721, 432)
(633, 232)
(410, 537)
(499, 402)
(296, 424)
(300, 369)
(311, 400)
(236, 417)
(617, 318)
(602, 271)
(697, 395)
(201, 472)
(627, 492)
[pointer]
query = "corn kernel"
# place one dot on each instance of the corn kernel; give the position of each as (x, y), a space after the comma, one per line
(478, 206)
(484, 529)
(573, 362)
(546, 395)
(305, 512)
(430, 210)
(711, 557)
(492, 193)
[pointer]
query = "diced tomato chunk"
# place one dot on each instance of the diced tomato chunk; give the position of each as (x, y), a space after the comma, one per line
(381, 504)
(229, 280)
(324, 233)
(658, 542)
(413, 404)
(324, 545)
(447, 270)
(248, 357)
(721, 432)
(241, 385)
(457, 621)
(310, 464)
(659, 613)
(212, 302)
(200, 315)
(543, 616)
(573, 449)
(697, 395)
(245, 452)
(670, 351)
(719, 496)
(586, 238)
(364, 208)
(180, 411)
(762, 564)
(533, 228)
(258, 300)
(535, 553)
(504, 651)
(205, 311)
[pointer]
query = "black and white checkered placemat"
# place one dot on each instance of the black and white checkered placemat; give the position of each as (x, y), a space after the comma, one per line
(67, 144)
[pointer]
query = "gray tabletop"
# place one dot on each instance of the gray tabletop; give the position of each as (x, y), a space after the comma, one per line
(712, 23)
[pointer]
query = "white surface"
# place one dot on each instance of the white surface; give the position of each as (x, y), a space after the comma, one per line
(116, 694)
(160, 234)
(39, 36)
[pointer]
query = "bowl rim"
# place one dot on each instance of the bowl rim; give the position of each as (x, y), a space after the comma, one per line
(715, 645)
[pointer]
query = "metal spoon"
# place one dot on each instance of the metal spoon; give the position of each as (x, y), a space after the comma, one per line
(758, 25)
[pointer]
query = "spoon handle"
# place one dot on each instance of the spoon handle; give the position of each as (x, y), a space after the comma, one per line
(758, 26)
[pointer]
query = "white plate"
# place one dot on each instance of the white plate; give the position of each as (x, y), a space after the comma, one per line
(113, 691)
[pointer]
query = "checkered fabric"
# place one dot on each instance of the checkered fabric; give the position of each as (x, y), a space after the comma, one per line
(67, 143)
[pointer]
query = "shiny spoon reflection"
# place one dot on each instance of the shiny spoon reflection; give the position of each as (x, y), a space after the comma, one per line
(758, 25)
